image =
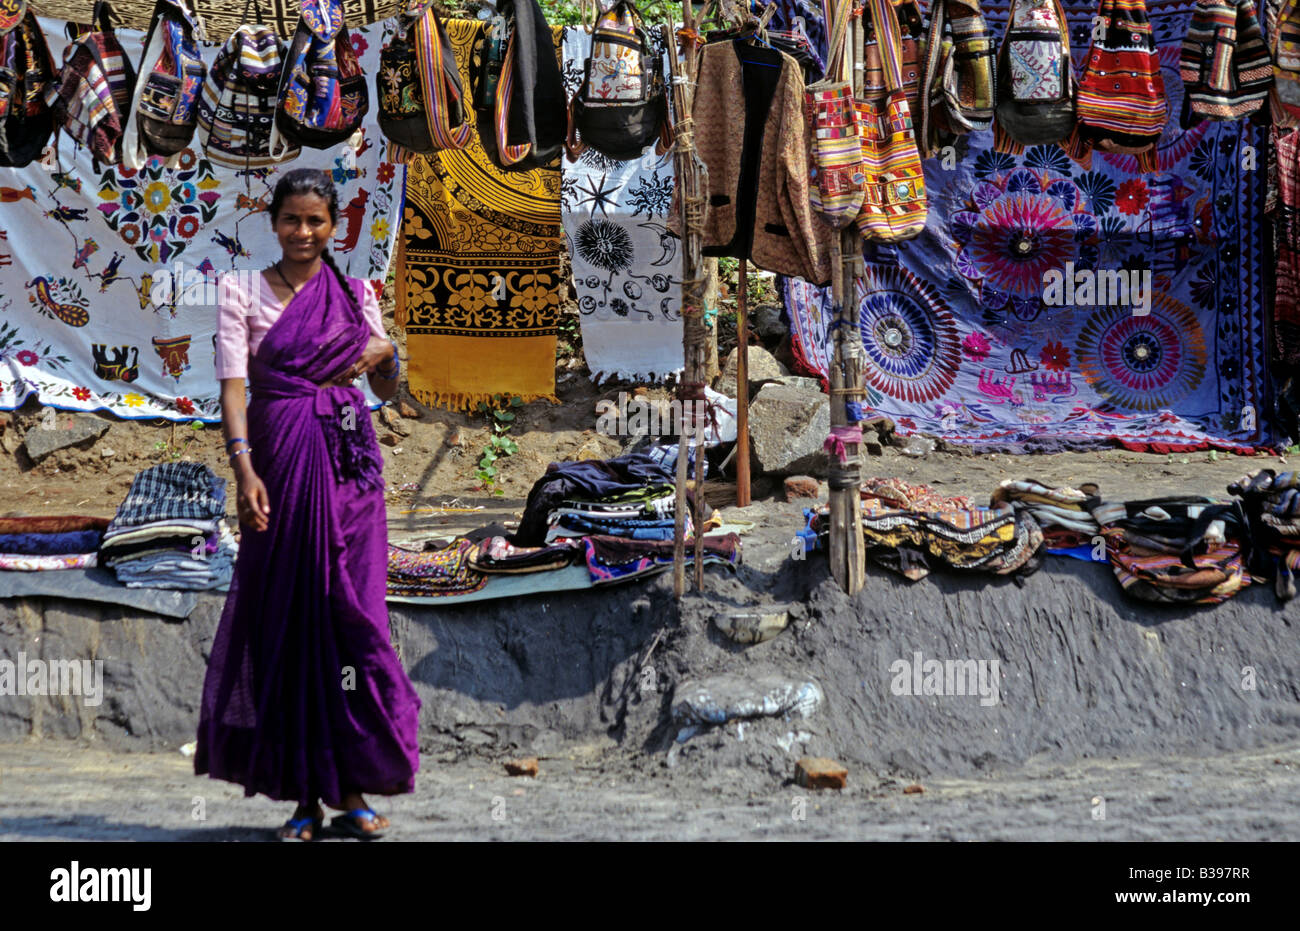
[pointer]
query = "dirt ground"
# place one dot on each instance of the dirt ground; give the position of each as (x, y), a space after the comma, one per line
(58, 791)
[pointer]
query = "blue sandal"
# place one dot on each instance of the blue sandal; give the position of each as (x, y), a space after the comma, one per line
(350, 824)
(298, 825)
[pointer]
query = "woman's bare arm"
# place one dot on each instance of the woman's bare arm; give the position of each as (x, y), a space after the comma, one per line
(252, 502)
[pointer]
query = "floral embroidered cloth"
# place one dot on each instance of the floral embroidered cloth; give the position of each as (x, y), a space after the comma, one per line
(1010, 322)
(90, 318)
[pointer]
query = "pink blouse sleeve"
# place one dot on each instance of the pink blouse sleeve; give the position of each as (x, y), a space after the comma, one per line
(233, 310)
(370, 307)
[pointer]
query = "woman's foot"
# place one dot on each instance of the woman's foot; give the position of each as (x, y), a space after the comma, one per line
(304, 825)
(358, 819)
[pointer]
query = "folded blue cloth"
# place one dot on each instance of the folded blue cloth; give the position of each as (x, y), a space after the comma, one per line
(50, 544)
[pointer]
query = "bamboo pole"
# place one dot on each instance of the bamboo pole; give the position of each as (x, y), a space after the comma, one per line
(742, 388)
(692, 186)
(847, 552)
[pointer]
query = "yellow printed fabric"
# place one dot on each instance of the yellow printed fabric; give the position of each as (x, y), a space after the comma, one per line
(480, 284)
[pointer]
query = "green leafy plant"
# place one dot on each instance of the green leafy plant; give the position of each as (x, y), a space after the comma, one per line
(500, 415)
(170, 449)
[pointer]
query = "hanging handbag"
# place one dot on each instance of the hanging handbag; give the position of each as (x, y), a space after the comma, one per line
(621, 106)
(957, 80)
(165, 106)
(422, 106)
(1036, 85)
(1121, 105)
(839, 180)
(894, 204)
(92, 97)
(238, 104)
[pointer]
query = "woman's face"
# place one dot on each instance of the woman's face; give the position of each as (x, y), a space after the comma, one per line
(303, 227)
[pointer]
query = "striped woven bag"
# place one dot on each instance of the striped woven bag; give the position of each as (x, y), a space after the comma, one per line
(1121, 105)
(1284, 42)
(1225, 66)
(957, 79)
(422, 106)
(839, 182)
(894, 203)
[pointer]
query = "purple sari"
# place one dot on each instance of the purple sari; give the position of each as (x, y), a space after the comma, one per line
(305, 697)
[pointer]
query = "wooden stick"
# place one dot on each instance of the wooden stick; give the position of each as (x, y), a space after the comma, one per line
(743, 488)
(847, 552)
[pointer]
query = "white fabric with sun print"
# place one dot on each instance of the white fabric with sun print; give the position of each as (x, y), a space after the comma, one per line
(625, 264)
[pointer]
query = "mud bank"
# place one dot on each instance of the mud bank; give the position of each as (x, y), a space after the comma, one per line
(1081, 671)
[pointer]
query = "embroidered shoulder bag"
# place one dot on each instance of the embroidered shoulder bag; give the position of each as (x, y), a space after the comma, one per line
(839, 180)
(894, 202)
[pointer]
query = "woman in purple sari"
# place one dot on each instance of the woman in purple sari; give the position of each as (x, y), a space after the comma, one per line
(305, 698)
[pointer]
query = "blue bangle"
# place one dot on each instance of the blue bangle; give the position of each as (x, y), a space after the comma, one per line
(233, 440)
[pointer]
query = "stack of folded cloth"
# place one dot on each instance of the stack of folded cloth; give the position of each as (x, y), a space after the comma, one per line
(1064, 514)
(436, 573)
(1177, 550)
(1272, 506)
(911, 529)
(167, 533)
(632, 486)
(36, 543)
(641, 514)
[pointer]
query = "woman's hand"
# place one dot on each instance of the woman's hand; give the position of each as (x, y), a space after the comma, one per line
(252, 502)
(374, 357)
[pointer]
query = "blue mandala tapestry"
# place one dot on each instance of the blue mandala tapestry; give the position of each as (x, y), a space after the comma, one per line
(1050, 305)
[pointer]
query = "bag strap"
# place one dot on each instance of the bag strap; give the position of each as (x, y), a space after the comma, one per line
(433, 58)
(890, 41)
(842, 14)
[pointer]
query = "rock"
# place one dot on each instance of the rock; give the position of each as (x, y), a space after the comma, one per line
(456, 438)
(819, 772)
(589, 450)
(41, 441)
(787, 426)
(388, 416)
(762, 366)
(752, 628)
(796, 381)
(107, 452)
(407, 411)
(765, 319)
(6, 421)
(917, 446)
(871, 444)
(524, 767)
(390, 439)
(801, 486)
(914, 789)
(725, 697)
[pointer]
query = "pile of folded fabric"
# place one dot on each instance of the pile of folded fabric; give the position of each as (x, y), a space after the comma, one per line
(436, 573)
(1177, 550)
(31, 544)
(912, 529)
(643, 514)
(1064, 514)
(167, 533)
(572, 497)
(619, 513)
(1271, 503)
